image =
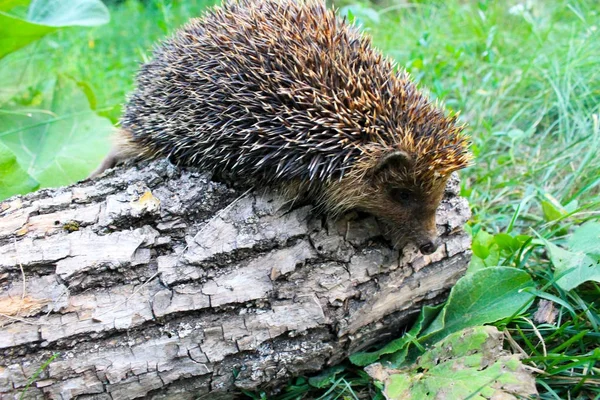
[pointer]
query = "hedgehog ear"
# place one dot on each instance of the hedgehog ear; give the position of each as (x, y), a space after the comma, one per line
(394, 160)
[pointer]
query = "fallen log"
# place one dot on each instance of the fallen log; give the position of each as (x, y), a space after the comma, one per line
(156, 282)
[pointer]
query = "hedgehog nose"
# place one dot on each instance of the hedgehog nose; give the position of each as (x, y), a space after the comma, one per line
(428, 247)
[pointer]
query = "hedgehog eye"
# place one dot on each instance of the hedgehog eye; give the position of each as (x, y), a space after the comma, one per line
(401, 195)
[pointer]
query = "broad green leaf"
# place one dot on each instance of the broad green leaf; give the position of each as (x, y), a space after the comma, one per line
(480, 250)
(552, 208)
(7, 5)
(486, 296)
(475, 264)
(562, 259)
(572, 206)
(61, 13)
(492, 259)
(586, 238)
(16, 33)
(45, 16)
(428, 313)
(21, 70)
(60, 140)
(481, 244)
(572, 268)
(507, 242)
(467, 364)
(486, 252)
(13, 179)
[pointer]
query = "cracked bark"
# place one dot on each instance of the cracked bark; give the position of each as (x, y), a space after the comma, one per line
(157, 282)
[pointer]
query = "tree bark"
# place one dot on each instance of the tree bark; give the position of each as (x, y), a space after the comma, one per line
(157, 282)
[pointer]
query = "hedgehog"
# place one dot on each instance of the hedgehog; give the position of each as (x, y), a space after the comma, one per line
(284, 93)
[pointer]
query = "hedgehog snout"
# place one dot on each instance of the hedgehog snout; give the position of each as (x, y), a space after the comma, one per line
(429, 246)
(427, 241)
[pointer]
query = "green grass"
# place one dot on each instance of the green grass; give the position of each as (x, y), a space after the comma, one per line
(528, 84)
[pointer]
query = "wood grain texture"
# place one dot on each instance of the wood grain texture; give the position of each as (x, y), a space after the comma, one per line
(155, 282)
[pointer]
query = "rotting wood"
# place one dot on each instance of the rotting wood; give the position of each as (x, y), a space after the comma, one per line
(155, 282)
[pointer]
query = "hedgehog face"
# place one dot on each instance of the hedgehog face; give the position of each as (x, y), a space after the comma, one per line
(405, 201)
(399, 197)
(408, 209)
